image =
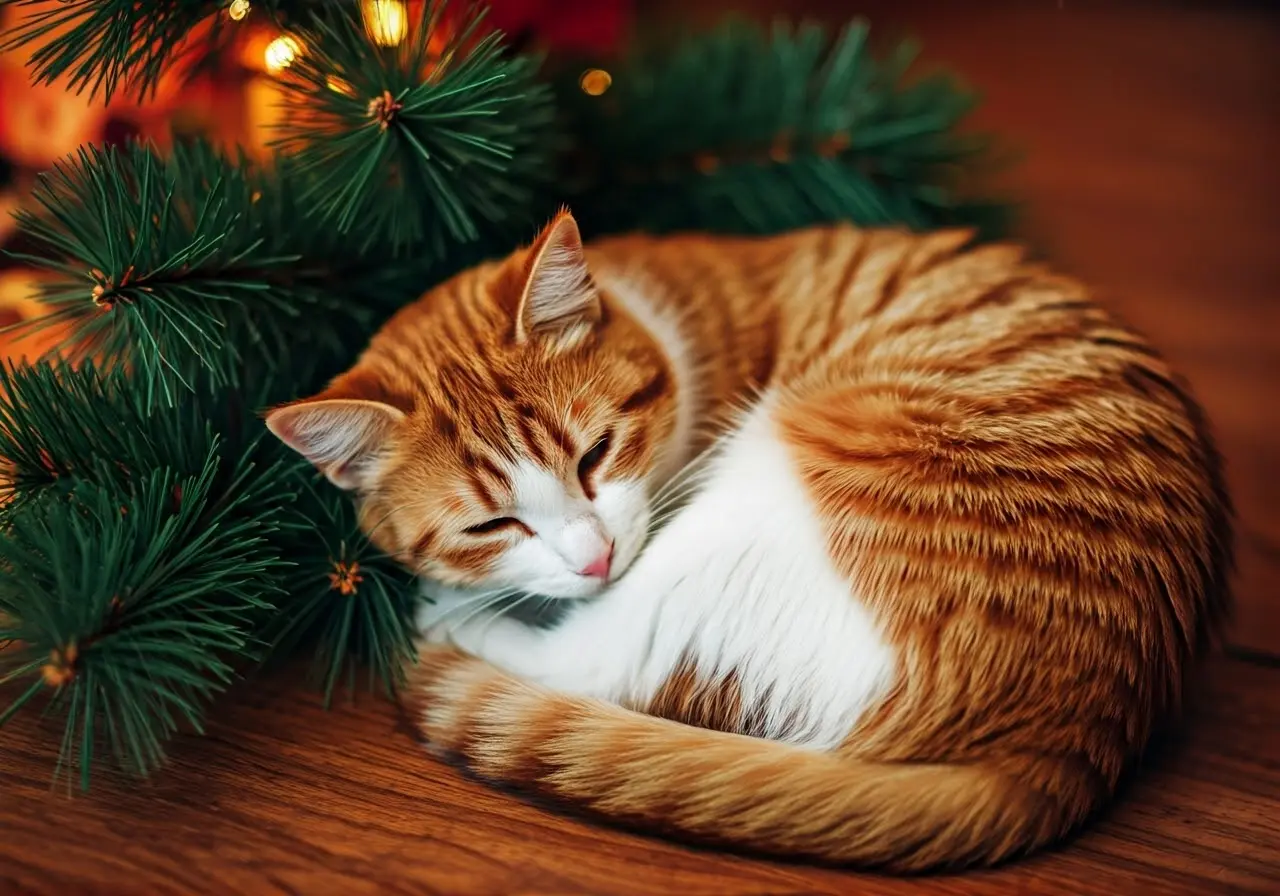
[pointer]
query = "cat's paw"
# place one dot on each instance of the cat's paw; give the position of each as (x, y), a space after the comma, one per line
(438, 688)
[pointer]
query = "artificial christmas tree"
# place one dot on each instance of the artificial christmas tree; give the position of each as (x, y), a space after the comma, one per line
(154, 543)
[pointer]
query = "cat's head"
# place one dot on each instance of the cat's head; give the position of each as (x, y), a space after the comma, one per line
(504, 430)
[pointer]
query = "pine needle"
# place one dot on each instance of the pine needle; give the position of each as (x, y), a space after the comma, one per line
(195, 266)
(440, 140)
(748, 130)
(110, 45)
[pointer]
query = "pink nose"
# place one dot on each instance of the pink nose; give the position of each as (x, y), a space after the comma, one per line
(599, 567)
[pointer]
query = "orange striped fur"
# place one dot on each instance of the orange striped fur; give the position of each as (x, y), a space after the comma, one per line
(1016, 498)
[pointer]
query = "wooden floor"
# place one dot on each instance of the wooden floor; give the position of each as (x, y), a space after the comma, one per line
(283, 796)
(1152, 139)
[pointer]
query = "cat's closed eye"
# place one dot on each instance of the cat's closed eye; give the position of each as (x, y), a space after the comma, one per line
(591, 460)
(498, 524)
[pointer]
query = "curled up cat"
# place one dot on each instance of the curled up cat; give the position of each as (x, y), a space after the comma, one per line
(879, 549)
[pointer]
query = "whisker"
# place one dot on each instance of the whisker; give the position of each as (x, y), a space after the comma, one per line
(672, 503)
(476, 604)
(690, 469)
(510, 608)
(494, 601)
(667, 497)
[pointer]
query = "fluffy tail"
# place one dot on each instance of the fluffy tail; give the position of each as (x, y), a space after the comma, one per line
(731, 790)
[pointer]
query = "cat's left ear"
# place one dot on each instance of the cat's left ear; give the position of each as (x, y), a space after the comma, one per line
(341, 437)
(559, 301)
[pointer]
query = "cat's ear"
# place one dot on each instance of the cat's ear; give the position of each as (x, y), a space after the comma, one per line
(559, 300)
(340, 436)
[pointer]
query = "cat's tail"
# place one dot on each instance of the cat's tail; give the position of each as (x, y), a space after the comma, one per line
(733, 790)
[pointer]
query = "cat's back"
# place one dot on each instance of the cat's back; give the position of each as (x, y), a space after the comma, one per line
(834, 300)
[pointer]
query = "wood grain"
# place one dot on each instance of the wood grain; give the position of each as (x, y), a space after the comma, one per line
(283, 796)
(1152, 135)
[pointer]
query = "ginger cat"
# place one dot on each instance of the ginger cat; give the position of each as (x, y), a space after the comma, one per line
(956, 542)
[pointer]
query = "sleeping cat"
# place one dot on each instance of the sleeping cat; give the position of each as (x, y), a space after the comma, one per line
(890, 551)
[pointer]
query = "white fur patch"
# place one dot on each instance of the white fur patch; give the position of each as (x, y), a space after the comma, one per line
(570, 531)
(738, 582)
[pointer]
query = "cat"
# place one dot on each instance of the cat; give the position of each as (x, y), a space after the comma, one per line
(889, 550)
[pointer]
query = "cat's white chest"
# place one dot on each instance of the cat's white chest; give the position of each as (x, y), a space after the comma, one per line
(740, 584)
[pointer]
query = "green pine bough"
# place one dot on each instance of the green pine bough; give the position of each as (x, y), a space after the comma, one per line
(155, 542)
(186, 265)
(748, 130)
(137, 555)
(419, 145)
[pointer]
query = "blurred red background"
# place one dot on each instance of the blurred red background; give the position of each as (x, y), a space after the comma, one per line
(233, 102)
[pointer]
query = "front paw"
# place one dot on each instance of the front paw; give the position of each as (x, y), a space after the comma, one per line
(438, 689)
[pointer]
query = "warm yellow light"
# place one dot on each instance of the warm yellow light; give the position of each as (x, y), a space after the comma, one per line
(595, 81)
(338, 85)
(281, 53)
(387, 21)
(238, 9)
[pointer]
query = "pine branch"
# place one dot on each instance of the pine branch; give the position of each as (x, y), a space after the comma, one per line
(130, 593)
(349, 604)
(60, 426)
(109, 45)
(438, 141)
(744, 130)
(193, 264)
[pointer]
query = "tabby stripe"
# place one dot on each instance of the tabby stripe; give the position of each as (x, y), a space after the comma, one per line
(473, 557)
(422, 545)
(997, 294)
(530, 440)
(646, 394)
(481, 491)
(1112, 342)
(462, 306)
(475, 465)
(717, 279)
(687, 697)
(492, 470)
(1003, 536)
(1153, 386)
(403, 359)
(841, 455)
(841, 296)
(891, 286)
(1068, 305)
(629, 455)
(500, 436)
(933, 254)
(445, 426)
(767, 359)
(1061, 394)
(558, 435)
(504, 387)
(1018, 347)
